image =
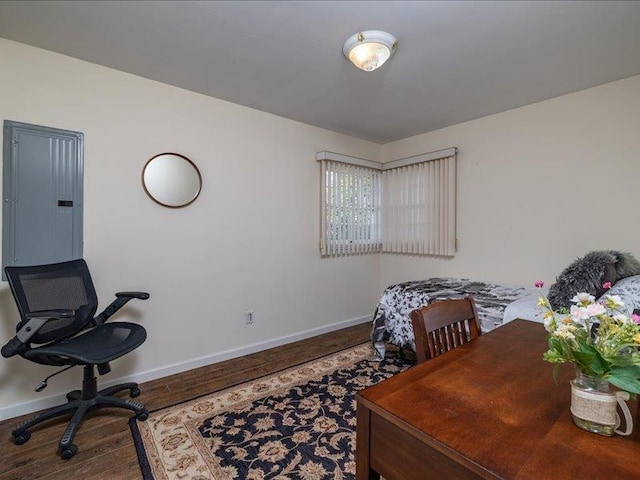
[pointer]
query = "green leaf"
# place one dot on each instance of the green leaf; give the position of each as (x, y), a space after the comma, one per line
(586, 348)
(583, 359)
(624, 381)
(589, 360)
(555, 344)
(553, 356)
(620, 360)
(599, 365)
(632, 371)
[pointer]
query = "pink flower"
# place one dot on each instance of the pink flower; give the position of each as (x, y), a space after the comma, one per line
(635, 318)
(540, 284)
(595, 309)
(578, 313)
(606, 285)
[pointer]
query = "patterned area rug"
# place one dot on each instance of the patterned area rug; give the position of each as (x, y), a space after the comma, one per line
(295, 424)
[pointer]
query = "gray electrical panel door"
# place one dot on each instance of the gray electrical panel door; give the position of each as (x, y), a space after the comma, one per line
(42, 195)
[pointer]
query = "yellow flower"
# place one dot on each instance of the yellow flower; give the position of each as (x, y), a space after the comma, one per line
(542, 302)
(636, 338)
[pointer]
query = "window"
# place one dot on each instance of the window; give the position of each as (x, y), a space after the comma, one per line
(404, 206)
(418, 208)
(351, 209)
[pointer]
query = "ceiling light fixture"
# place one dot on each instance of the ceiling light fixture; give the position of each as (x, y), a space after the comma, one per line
(369, 50)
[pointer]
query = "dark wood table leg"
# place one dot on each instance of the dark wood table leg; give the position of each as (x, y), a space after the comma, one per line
(363, 446)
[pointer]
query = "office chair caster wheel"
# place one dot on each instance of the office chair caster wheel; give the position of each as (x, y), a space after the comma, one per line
(142, 416)
(21, 438)
(70, 451)
(134, 392)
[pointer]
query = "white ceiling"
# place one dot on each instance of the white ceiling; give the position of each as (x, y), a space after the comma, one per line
(456, 61)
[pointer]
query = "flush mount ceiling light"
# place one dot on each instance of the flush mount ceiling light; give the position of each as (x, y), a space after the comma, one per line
(369, 50)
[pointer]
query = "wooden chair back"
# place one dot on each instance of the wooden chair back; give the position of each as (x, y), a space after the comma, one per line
(443, 326)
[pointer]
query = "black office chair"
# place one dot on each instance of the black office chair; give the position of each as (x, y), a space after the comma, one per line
(57, 304)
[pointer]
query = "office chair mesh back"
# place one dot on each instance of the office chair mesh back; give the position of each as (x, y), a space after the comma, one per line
(50, 287)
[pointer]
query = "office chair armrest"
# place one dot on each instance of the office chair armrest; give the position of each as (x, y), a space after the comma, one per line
(29, 329)
(138, 295)
(121, 299)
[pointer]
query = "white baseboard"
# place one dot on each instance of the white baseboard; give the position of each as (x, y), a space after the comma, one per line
(18, 409)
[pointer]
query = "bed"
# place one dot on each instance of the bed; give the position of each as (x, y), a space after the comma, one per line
(496, 304)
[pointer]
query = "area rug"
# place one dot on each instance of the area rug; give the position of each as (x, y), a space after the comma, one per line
(298, 423)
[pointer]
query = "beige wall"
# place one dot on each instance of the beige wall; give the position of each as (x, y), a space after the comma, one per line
(538, 186)
(248, 242)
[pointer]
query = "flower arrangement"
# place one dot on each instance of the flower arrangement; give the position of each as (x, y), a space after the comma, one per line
(596, 336)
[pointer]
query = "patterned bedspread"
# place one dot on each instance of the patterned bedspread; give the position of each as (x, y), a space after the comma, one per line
(392, 322)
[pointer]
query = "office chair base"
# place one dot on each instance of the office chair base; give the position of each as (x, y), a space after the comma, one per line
(79, 402)
(134, 391)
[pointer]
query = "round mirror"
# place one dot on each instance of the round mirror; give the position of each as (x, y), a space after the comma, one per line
(171, 180)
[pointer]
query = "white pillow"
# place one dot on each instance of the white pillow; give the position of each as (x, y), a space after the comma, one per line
(628, 289)
(526, 307)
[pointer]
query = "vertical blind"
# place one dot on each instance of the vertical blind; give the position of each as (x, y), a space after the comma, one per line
(351, 204)
(407, 206)
(418, 208)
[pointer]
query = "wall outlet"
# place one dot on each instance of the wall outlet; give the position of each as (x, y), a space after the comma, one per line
(248, 320)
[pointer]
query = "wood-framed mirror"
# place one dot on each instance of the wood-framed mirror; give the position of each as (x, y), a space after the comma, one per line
(171, 180)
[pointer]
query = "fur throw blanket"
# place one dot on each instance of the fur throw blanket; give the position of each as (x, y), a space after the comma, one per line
(587, 274)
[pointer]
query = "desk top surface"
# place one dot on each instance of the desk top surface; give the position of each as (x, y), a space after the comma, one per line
(493, 402)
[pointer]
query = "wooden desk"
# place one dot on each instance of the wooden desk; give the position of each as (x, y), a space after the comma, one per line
(489, 409)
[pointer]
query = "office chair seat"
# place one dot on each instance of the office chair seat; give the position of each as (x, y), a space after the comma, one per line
(97, 346)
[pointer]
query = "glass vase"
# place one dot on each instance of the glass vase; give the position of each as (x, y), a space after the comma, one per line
(593, 404)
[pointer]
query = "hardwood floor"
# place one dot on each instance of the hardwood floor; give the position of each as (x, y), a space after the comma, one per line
(105, 444)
